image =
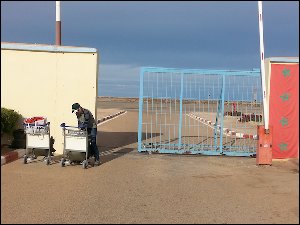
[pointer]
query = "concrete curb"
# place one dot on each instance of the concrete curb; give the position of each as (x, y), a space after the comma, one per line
(12, 156)
(226, 131)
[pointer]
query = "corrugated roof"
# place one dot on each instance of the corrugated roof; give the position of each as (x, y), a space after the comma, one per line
(45, 47)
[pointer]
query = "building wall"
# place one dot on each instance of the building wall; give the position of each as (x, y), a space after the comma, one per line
(47, 83)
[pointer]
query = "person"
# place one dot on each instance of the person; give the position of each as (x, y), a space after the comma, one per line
(86, 119)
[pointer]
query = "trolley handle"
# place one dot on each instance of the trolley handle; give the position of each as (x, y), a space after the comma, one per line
(36, 125)
(63, 125)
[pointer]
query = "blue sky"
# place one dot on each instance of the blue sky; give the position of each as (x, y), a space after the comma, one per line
(181, 34)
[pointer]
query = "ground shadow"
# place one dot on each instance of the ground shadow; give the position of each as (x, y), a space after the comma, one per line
(112, 145)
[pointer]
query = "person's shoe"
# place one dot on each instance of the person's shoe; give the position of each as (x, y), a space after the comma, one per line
(97, 163)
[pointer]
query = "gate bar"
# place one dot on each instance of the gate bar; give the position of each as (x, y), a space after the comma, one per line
(141, 110)
(222, 117)
(180, 113)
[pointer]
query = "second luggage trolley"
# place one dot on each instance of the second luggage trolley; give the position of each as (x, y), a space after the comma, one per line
(76, 146)
(37, 139)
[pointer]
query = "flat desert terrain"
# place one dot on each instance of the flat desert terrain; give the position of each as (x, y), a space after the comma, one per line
(131, 187)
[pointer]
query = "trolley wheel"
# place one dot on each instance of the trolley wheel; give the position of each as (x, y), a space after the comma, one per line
(62, 162)
(25, 159)
(93, 163)
(47, 161)
(84, 164)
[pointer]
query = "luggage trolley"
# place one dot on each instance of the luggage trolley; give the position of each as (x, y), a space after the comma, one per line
(37, 139)
(76, 146)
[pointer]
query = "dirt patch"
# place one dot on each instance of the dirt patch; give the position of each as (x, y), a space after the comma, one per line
(287, 164)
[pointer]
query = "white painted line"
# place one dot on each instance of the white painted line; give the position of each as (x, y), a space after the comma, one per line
(205, 123)
(226, 131)
(111, 118)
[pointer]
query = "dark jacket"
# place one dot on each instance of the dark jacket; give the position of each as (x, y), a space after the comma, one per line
(86, 118)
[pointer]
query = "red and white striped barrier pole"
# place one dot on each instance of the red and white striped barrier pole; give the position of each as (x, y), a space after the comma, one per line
(58, 24)
(262, 66)
(264, 143)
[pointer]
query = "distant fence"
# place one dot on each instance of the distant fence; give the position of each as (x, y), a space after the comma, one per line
(211, 112)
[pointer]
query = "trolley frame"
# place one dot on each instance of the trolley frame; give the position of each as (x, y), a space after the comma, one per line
(37, 138)
(76, 142)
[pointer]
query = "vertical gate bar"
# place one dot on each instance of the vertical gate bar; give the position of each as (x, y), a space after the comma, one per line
(193, 110)
(156, 109)
(140, 110)
(244, 106)
(209, 94)
(151, 113)
(166, 103)
(147, 107)
(243, 103)
(190, 119)
(185, 104)
(236, 101)
(160, 117)
(194, 104)
(175, 111)
(221, 130)
(188, 111)
(215, 124)
(199, 112)
(180, 110)
(222, 114)
(212, 109)
(229, 104)
(207, 102)
(184, 111)
(170, 115)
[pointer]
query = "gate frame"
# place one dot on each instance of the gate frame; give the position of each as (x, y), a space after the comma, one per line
(223, 73)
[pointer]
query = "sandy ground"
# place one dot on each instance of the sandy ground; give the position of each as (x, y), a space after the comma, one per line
(130, 187)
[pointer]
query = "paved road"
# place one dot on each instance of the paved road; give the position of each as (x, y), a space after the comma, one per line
(131, 187)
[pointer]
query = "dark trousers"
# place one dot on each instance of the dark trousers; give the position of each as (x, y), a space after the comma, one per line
(92, 132)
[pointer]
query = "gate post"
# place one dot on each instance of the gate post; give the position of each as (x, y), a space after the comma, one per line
(222, 113)
(141, 100)
(180, 112)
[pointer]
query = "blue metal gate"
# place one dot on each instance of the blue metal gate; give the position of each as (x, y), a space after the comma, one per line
(193, 111)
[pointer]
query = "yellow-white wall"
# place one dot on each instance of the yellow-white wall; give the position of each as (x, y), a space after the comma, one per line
(47, 83)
